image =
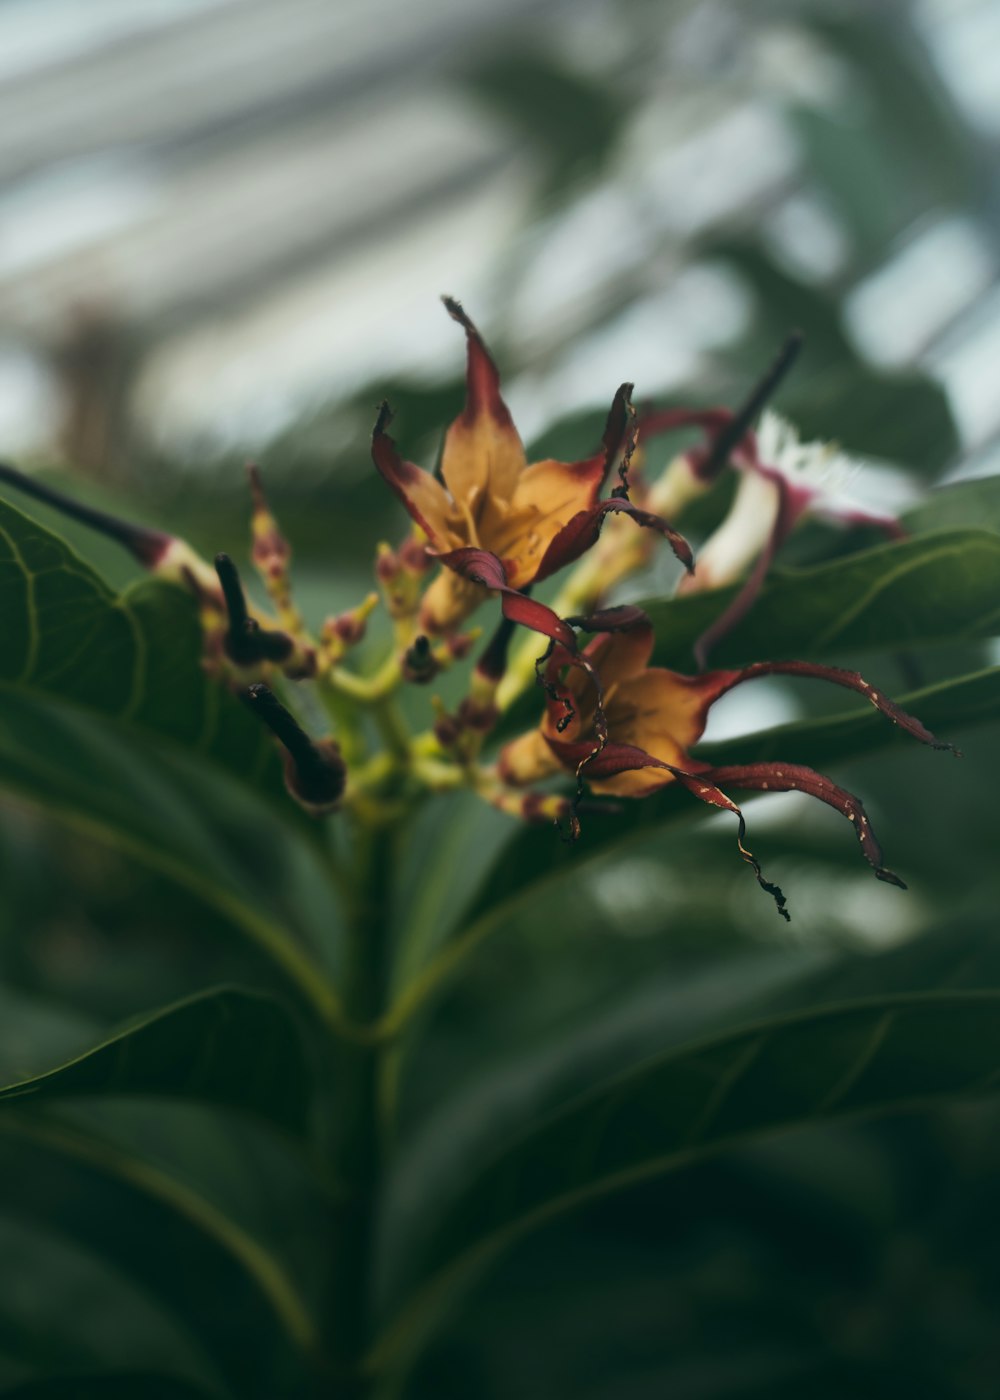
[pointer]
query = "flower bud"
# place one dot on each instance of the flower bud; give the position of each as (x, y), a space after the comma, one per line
(420, 665)
(315, 773)
(246, 643)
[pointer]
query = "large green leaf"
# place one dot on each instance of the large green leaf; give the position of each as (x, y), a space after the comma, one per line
(135, 657)
(534, 858)
(116, 1386)
(226, 1046)
(670, 1110)
(200, 828)
(940, 587)
(204, 1261)
(974, 503)
(64, 1309)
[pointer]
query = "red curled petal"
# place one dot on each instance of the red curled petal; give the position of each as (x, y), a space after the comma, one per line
(703, 785)
(792, 777)
(583, 530)
(605, 762)
(623, 617)
(482, 567)
(850, 680)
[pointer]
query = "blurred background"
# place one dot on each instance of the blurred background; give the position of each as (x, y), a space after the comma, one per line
(224, 221)
(224, 229)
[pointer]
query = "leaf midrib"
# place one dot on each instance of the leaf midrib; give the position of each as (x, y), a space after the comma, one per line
(409, 1318)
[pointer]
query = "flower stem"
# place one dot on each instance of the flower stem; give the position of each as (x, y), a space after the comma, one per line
(356, 1129)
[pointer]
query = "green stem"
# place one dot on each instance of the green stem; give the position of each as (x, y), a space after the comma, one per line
(346, 720)
(393, 728)
(357, 1089)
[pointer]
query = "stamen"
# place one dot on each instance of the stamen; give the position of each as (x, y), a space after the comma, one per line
(314, 773)
(733, 433)
(145, 545)
(246, 641)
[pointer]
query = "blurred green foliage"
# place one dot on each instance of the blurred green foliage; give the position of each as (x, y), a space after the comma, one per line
(179, 1250)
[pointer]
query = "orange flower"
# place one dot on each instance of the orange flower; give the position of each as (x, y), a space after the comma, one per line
(532, 519)
(626, 728)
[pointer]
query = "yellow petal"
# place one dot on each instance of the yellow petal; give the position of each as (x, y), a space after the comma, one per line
(483, 456)
(448, 602)
(527, 759)
(662, 712)
(640, 782)
(622, 656)
(547, 496)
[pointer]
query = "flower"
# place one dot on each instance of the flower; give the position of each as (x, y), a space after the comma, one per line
(533, 519)
(782, 479)
(626, 728)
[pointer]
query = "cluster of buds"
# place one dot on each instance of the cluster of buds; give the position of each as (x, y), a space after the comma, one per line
(485, 532)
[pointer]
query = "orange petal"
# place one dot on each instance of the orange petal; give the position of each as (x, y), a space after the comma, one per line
(622, 656)
(483, 456)
(549, 494)
(663, 712)
(425, 499)
(636, 782)
(658, 712)
(448, 602)
(527, 759)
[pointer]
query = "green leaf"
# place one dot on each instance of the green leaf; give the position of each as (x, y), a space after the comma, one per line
(941, 587)
(116, 1386)
(902, 417)
(671, 1110)
(63, 1309)
(535, 859)
(213, 837)
(226, 1046)
(203, 1261)
(135, 657)
(905, 102)
(974, 503)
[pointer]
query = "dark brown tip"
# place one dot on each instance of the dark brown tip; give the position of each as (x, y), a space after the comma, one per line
(457, 312)
(382, 419)
(420, 665)
(742, 420)
(315, 772)
(145, 545)
(256, 487)
(246, 642)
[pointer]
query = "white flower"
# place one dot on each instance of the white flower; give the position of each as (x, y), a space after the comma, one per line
(782, 479)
